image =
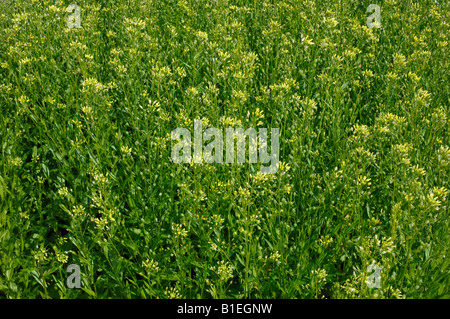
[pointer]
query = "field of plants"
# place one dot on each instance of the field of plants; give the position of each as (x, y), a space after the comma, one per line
(358, 206)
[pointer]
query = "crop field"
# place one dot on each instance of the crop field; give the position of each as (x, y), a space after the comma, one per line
(119, 178)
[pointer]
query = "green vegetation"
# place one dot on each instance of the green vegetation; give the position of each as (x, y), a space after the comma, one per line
(86, 175)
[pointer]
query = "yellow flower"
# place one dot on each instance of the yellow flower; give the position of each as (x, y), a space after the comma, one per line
(392, 76)
(399, 60)
(126, 150)
(77, 211)
(217, 220)
(17, 161)
(413, 77)
(320, 274)
(86, 110)
(275, 257)
(172, 293)
(179, 231)
(224, 270)
(63, 191)
(91, 85)
(41, 255)
(422, 97)
(150, 266)
(61, 257)
(325, 240)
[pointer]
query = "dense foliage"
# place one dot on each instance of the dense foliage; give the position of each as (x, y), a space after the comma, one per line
(86, 175)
